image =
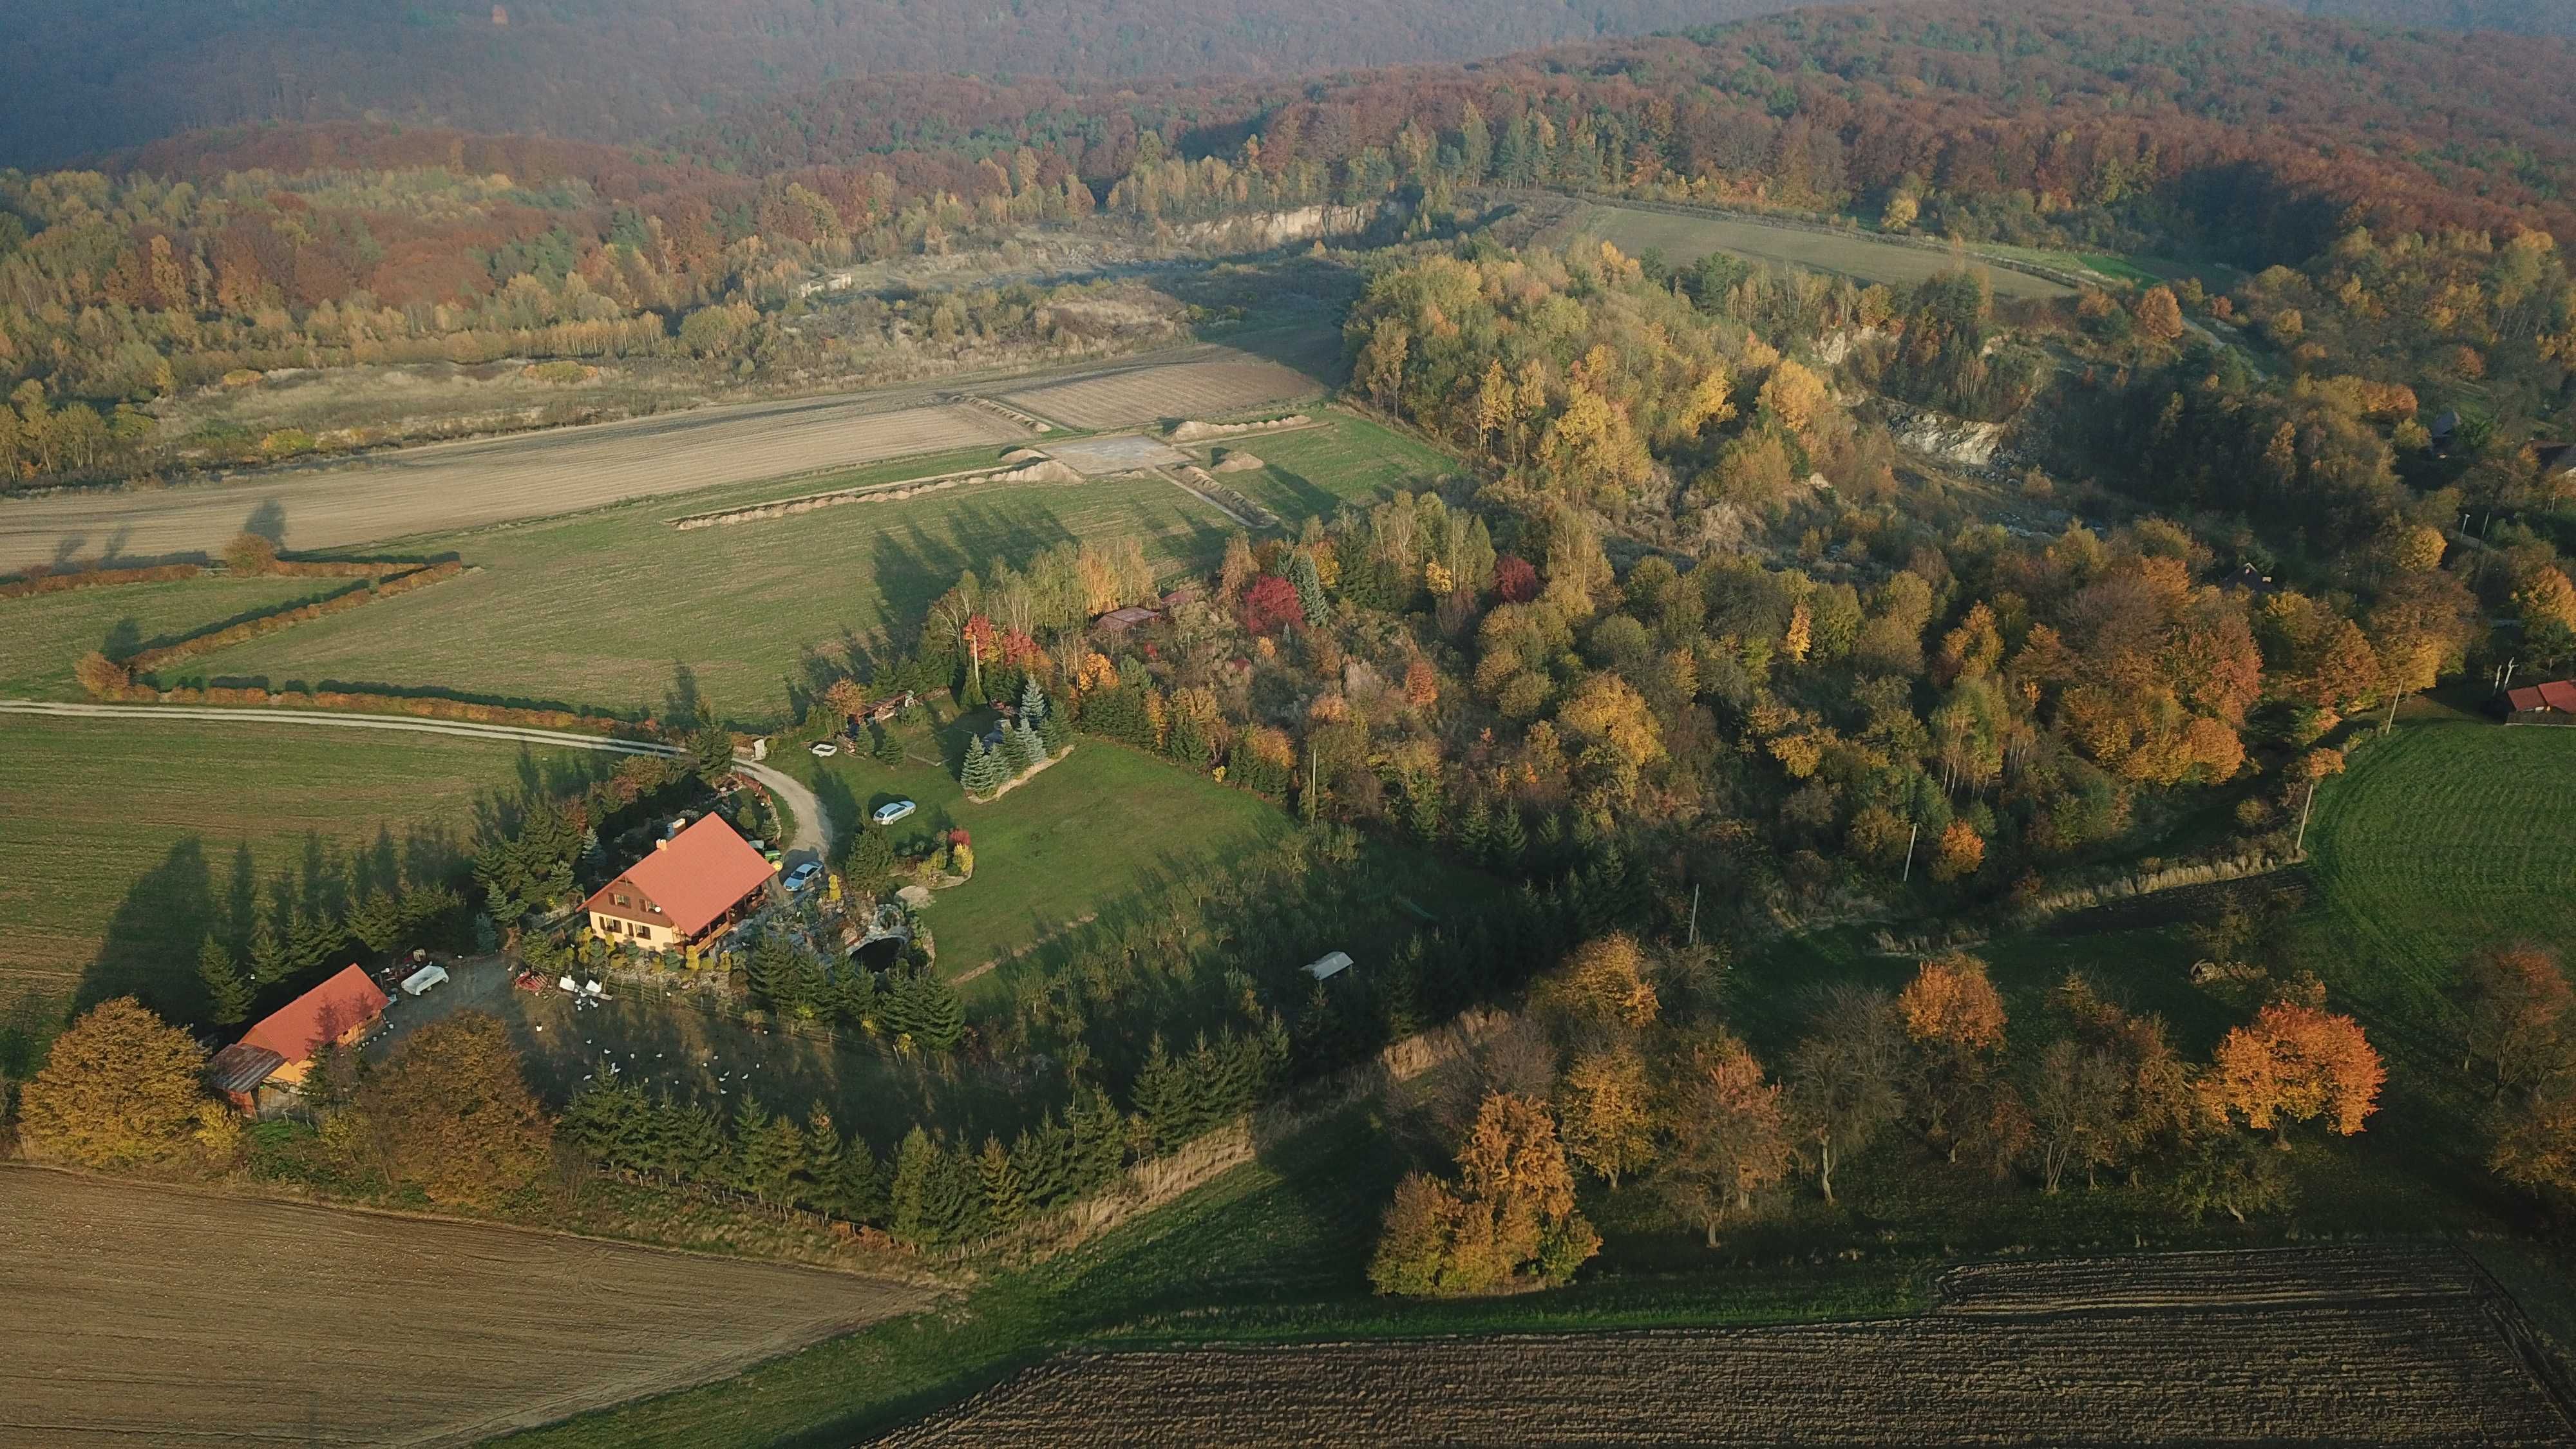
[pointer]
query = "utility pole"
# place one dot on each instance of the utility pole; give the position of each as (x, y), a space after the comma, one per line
(1910, 838)
(2299, 847)
(1694, 921)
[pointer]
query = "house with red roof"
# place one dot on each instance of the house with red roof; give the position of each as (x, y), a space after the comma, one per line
(276, 1054)
(2551, 703)
(694, 884)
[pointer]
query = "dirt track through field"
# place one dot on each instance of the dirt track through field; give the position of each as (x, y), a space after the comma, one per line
(2335, 1346)
(462, 485)
(132, 1315)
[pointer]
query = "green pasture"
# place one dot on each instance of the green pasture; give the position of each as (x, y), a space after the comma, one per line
(129, 839)
(42, 635)
(1312, 472)
(1685, 239)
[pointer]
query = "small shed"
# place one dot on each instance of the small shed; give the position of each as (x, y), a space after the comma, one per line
(238, 1071)
(1325, 968)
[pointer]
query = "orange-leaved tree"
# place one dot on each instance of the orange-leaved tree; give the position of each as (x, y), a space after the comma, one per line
(1954, 1027)
(2294, 1063)
(1729, 1134)
(2517, 998)
(1513, 1208)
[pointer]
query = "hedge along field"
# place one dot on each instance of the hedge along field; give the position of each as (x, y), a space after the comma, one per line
(1685, 239)
(595, 608)
(2441, 839)
(1098, 825)
(41, 636)
(124, 835)
(1342, 459)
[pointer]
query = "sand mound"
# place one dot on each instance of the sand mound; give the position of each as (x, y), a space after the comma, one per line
(1234, 460)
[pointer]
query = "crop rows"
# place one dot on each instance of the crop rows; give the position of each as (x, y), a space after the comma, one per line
(2426, 1362)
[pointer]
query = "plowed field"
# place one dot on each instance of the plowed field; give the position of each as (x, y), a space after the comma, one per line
(135, 1315)
(2343, 1347)
(530, 475)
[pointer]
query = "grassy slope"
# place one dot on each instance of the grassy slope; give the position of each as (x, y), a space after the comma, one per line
(1685, 239)
(1101, 823)
(122, 836)
(40, 637)
(1313, 471)
(595, 608)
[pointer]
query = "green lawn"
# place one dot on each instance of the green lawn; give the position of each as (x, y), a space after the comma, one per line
(127, 839)
(2442, 838)
(1100, 824)
(41, 636)
(1344, 459)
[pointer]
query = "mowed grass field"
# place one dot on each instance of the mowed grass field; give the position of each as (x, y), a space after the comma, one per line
(596, 608)
(1101, 824)
(2441, 839)
(124, 836)
(1685, 239)
(41, 637)
(1342, 459)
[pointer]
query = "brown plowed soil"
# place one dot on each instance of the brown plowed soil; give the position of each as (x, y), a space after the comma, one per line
(132, 1314)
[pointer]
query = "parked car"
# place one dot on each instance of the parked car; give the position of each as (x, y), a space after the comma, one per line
(826, 749)
(894, 810)
(803, 876)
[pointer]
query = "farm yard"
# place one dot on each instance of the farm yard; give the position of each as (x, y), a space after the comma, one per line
(1684, 237)
(134, 1314)
(2348, 1347)
(127, 836)
(444, 487)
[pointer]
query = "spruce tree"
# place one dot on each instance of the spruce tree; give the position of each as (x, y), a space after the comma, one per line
(1163, 1096)
(1476, 830)
(977, 774)
(1099, 1139)
(854, 997)
(886, 749)
(870, 863)
(943, 1014)
(1052, 732)
(1033, 701)
(1027, 750)
(1043, 1160)
(269, 962)
(1310, 589)
(819, 1172)
(1005, 1196)
(230, 993)
(909, 1199)
(859, 1187)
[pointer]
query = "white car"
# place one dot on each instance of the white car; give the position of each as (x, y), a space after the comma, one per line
(825, 749)
(893, 810)
(803, 876)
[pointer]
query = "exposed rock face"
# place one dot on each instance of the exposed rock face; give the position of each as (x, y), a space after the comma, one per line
(1954, 441)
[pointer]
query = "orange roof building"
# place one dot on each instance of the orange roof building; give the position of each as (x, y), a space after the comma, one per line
(693, 885)
(280, 1049)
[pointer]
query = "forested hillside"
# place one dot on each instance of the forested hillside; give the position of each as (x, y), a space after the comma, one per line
(2232, 133)
(94, 77)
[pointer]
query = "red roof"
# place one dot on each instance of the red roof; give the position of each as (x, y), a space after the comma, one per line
(319, 1015)
(697, 876)
(2557, 694)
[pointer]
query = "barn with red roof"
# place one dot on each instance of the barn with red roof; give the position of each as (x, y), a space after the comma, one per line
(2551, 703)
(692, 886)
(276, 1054)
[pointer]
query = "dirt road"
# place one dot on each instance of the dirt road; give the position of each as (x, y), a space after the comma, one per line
(132, 1314)
(462, 485)
(812, 839)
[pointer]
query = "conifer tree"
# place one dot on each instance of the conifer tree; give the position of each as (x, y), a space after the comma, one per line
(1052, 732)
(981, 774)
(886, 749)
(230, 993)
(269, 962)
(1027, 751)
(1005, 1196)
(943, 1014)
(1509, 846)
(1042, 1159)
(909, 1198)
(859, 1185)
(1033, 701)
(819, 1170)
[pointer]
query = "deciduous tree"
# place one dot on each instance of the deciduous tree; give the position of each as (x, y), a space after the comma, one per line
(1604, 1114)
(1843, 1077)
(2296, 1062)
(120, 1086)
(1728, 1134)
(452, 1115)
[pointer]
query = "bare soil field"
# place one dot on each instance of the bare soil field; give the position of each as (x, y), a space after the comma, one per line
(1149, 392)
(2343, 1346)
(469, 484)
(131, 1314)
